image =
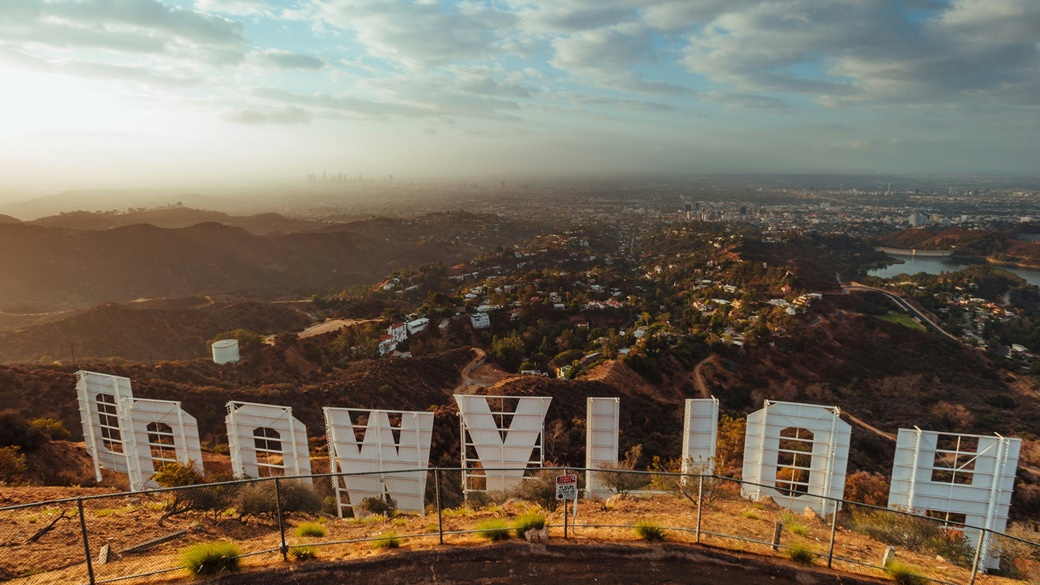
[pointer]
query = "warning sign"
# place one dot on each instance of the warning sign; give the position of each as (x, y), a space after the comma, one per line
(567, 487)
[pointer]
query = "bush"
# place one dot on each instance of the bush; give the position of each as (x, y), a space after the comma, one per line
(387, 540)
(649, 531)
(800, 553)
(211, 558)
(868, 488)
(12, 464)
(195, 499)
(540, 489)
(913, 533)
(310, 529)
(528, 522)
(904, 575)
(51, 428)
(493, 530)
(260, 499)
(15, 431)
(383, 507)
(620, 479)
(302, 553)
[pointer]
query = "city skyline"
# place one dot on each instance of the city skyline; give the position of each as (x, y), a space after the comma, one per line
(142, 92)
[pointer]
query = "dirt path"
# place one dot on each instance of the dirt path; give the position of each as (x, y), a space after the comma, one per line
(330, 325)
(698, 377)
(869, 427)
(473, 379)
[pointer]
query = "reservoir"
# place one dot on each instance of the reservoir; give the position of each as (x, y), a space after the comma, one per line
(936, 265)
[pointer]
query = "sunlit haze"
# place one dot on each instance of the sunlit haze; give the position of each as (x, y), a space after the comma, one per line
(147, 93)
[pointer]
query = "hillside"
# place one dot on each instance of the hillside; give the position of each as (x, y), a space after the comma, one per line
(173, 218)
(57, 268)
(994, 245)
(8, 219)
(147, 331)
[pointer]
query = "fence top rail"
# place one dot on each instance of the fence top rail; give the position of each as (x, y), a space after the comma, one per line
(289, 478)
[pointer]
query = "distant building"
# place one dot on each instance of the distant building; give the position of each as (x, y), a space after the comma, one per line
(418, 325)
(918, 219)
(398, 331)
(480, 320)
(225, 351)
(386, 344)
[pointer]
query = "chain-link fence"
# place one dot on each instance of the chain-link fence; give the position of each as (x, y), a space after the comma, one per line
(137, 537)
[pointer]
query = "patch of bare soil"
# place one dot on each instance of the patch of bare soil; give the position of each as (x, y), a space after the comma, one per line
(619, 375)
(607, 564)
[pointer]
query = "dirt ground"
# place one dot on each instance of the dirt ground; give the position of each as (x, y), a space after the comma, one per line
(602, 547)
(565, 564)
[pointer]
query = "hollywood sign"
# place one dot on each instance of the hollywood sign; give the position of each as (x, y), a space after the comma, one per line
(797, 454)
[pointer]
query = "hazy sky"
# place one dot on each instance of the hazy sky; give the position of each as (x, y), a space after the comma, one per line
(145, 92)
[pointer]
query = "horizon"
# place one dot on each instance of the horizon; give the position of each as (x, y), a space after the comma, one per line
(201, 92)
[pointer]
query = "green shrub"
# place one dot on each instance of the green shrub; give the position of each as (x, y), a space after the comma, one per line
(800, 553)
(387, 540)
(329, 506)
(310, 529)
(211, 558)
(527, 522)
(649, 531)
(904, 575)
(302, 553)
(750, 515)
(260, 499)
(793, 523)
(384, 507)
(493, 530)
(52, 428)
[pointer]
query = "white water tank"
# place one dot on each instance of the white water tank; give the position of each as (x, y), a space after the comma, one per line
(225, 351)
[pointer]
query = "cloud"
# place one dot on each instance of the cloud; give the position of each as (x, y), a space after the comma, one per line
(606, 57)
(749, 101)
(284, 116)
(235, 7)
(884, 52)
(418, 35)
(128, 27)
(93, 70)
(626, 104)
(289, 60)
(342, 105)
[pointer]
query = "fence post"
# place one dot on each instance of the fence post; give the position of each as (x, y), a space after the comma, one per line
(86, 540)
(700, 504)
(834, 529)
(281, 521)
(978, 556)
(440, 519)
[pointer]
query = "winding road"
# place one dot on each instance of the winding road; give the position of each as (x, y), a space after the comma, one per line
(904, 305)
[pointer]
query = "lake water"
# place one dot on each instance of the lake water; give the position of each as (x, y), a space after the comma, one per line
(934, 265)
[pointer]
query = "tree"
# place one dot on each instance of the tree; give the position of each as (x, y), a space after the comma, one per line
(508, 352)
(867, 488)
(248, 341)
(15, 431)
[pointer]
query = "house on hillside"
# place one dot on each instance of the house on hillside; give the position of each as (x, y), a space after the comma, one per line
(480, 320)
(418, 325)
(386, 344)
(398, 331)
